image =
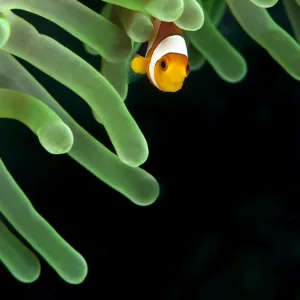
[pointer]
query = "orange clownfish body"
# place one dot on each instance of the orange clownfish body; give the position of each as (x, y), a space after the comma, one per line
(166, 61)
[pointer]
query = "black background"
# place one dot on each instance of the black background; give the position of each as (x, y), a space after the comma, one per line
(226, 224)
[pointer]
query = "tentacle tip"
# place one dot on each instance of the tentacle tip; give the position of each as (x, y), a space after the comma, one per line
(134, 158)
(33, 273)
(265, 4)
(90, 50)
(56, 138)
(5, 30)
(167, 10)
(141, 33)
(192, 19)
(149, 194)
(77, 276)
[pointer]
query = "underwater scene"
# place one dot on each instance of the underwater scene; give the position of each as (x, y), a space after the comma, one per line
(150, 149)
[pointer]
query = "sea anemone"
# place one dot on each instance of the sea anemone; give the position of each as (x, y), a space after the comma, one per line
(114, 34)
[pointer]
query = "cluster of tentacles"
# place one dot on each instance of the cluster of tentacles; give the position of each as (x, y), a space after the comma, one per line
(113, 35)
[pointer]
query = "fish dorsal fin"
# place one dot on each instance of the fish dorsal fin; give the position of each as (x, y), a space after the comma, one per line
(156, 27)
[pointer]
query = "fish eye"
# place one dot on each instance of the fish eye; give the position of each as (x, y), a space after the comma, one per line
(163, 64)
(188, 69)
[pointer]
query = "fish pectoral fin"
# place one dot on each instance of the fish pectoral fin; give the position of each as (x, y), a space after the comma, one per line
(137, 68)
(139, 65)
(133, 62)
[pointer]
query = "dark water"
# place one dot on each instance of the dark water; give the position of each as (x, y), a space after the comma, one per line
(226, 225)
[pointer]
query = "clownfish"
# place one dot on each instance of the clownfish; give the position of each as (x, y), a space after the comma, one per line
(166, 61)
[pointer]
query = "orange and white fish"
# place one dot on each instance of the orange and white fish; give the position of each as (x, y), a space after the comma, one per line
(166, 61)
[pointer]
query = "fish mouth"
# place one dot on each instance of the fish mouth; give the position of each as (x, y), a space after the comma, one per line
(175, 88)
